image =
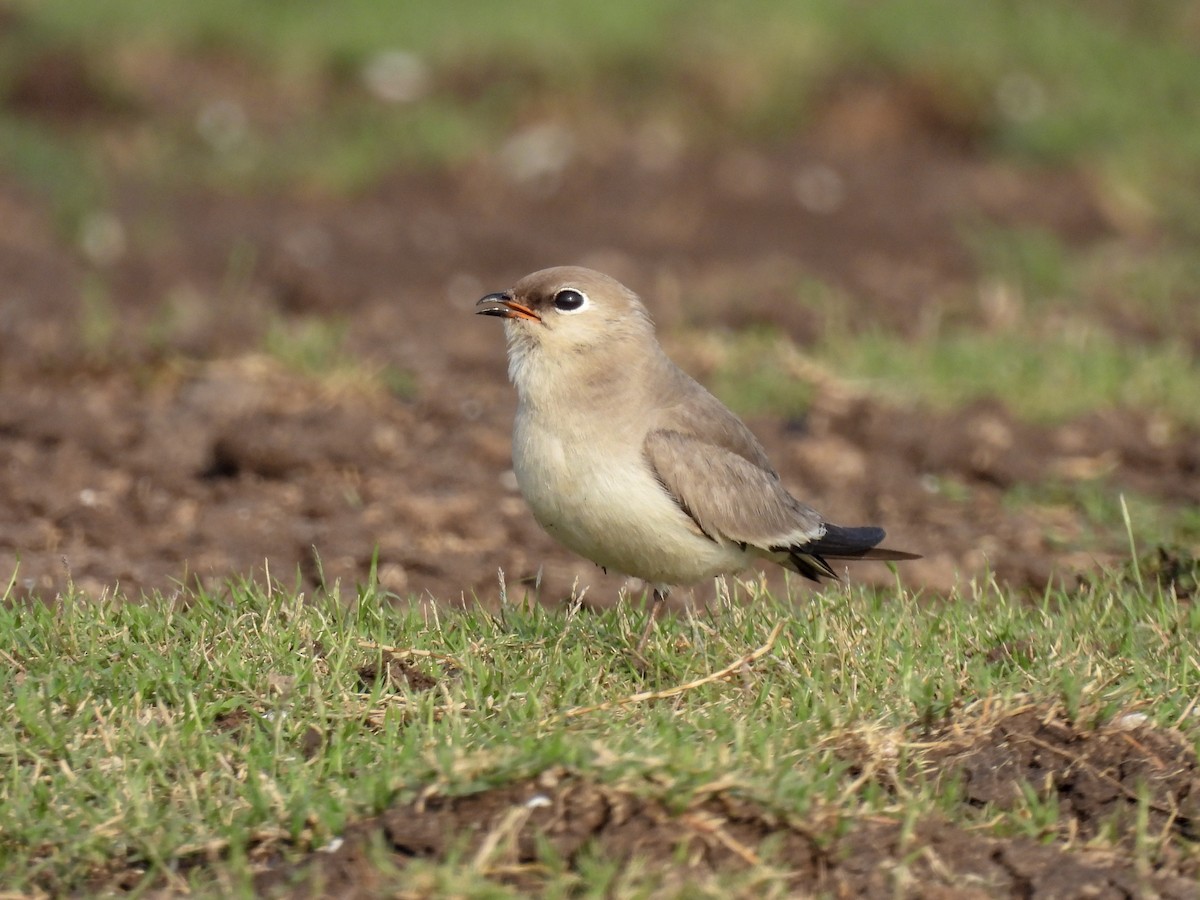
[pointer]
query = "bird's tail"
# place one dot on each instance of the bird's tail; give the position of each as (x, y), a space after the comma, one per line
(810, 559)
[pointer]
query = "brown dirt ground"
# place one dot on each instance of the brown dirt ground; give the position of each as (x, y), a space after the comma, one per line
(172, 447)
(145, 437)
(1103, 781)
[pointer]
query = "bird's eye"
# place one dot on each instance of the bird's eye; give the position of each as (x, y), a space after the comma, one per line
(569, 300)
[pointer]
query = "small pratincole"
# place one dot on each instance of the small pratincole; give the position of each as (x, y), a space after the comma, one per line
(631, 463)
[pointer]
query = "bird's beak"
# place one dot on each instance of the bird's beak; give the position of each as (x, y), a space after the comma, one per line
(505, 306)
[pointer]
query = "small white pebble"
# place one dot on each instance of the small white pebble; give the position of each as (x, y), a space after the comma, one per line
(537, 801)
(334, 845)
(397, 76)
(819, 189)
(223, 125)
(1130, 721)
(538, 153)
(1021, 97)
(471, 409)
(102, 238)
(659, 145)
(309, 246)
(88, 497)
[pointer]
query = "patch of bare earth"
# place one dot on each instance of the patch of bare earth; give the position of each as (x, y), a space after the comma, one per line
(164, 446)
(1116, 791)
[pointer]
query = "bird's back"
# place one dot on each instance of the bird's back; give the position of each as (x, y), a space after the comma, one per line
(686, 406)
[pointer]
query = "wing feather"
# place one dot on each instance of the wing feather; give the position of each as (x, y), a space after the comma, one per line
(727, 496)
(718, 473)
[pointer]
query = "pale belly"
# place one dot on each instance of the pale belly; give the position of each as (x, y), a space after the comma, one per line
(615, 513)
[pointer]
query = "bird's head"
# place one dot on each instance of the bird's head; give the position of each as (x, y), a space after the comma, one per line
(569, 309)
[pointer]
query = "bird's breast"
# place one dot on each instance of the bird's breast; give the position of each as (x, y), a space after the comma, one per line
(591, 488)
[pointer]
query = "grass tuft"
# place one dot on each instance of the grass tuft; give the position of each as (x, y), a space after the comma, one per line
(255, 720)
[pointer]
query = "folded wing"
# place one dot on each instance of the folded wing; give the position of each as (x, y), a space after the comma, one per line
(732, 499)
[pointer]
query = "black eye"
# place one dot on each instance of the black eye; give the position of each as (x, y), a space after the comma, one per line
(569, 300)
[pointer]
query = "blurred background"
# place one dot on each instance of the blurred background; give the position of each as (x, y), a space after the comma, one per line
(944, 257)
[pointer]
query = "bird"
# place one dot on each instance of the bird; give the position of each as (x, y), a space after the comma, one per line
(628, 461)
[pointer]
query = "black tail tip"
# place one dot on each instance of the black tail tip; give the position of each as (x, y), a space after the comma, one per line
(839, 542)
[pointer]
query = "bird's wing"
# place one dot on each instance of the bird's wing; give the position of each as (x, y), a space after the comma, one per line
(728, 496)
(718, 473)
(687, 407)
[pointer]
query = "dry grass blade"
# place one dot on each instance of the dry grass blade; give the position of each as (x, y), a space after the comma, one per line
(401, 652)
(505, 832)
(711, 826)
(644, 696)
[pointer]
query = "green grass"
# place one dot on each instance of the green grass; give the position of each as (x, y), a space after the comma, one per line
(305, 35)
(55, 167)
(1045, 377)
(143, 733)
(1065, 370)
(1032, 261)
(317, 348)
(1094, 508)
(752, 378)
(1089, 85)
(1158, 288)
(1041, 277)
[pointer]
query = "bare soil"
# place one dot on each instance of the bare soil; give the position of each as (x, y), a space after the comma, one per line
(161, 443)
(146, 439)
(1103, 782)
